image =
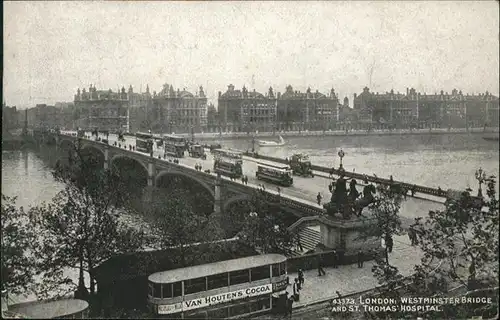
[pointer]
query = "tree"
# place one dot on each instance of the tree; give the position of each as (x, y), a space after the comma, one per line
(17, 237)
(81, 227)
(176, 225)
(265, 228)
(384, 210)
(463, 237)
(460, 246)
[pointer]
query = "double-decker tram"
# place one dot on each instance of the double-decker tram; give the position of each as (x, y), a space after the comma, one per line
(144, 142)
(175, 145)
(275, 173)
(228, 163)
(221, 290)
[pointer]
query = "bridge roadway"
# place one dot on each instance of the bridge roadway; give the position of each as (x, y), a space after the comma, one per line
(303, 189)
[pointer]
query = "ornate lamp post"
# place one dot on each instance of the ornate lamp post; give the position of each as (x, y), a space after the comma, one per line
(481, 178)
(341, 154)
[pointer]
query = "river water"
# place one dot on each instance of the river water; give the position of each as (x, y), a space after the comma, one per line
(448, 161)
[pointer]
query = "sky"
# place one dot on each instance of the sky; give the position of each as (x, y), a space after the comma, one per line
(53, 48)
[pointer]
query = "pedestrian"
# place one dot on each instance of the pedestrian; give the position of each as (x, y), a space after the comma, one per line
(290, 306)
(360, 258)
(299, 244)
(389, 243)
(321, 272)
(296, 289)
(285, 304)
(301, 277)
(246, 180)
(263, 188)
(279, 190)
(335, 259)
(318, 197)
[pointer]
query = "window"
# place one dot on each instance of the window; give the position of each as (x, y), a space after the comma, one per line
(167, 290)
(239, 309)
(260, 273)
(157, 290)
(278, 269)
(195, 285)
(237, 277)
(260, 304)
(199, 315)
(177, 289)
(282, 268)
(220, 313)
(217, 281)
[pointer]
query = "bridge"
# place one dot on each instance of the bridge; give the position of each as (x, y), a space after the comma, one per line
(299, 199)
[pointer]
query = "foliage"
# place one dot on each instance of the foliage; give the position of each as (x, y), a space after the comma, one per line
(460, 251)
(178, 226)
(384, 211)
(464, 236)
(81, 227)
(265, 228)
(17, 237)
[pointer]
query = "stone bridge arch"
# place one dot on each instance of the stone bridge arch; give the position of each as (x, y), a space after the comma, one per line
(124, 156)
(193, 178)
(89, 146)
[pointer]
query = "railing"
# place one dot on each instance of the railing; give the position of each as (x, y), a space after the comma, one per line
(273, 196)
(301, 222)
(407, 186)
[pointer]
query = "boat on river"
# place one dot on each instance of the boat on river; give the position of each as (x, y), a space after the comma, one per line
(264, 143)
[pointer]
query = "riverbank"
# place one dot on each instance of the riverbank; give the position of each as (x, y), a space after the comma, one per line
(385, 132)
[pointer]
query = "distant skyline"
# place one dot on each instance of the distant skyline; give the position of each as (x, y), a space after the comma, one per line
(53, 48)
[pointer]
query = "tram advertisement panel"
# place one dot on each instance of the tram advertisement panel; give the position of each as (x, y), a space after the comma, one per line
(215, 299)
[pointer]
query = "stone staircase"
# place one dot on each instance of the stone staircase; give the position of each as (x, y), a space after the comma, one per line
(309, 238)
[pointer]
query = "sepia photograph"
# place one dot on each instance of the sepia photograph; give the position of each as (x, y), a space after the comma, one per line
(250, 160)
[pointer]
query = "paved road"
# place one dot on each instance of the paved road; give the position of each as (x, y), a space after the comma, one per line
(346, 280)
(305, 189)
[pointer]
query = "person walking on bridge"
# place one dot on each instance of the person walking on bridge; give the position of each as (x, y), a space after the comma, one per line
(318, 198)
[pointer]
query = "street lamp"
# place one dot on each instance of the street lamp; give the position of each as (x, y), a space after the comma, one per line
(341, 154)
(481, 178)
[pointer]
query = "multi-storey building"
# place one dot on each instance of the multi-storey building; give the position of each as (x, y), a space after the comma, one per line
(213, 120)
(423, 110)
(10, 118)
(140, 110)
(243, 110)
(301, 111)
(179, 111)
(101, 109)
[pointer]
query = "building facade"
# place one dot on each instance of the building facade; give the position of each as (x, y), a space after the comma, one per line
(102, 109)
(307, 111)
(213, 120)
(175, 111)
(10, 118)
(140, 109)
(246, 111)
(414, 109)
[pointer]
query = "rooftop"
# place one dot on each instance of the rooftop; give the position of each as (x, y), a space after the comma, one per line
(219, 267)
(49, 309)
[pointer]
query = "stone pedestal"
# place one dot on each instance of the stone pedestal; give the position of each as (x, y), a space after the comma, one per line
(346, 235)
